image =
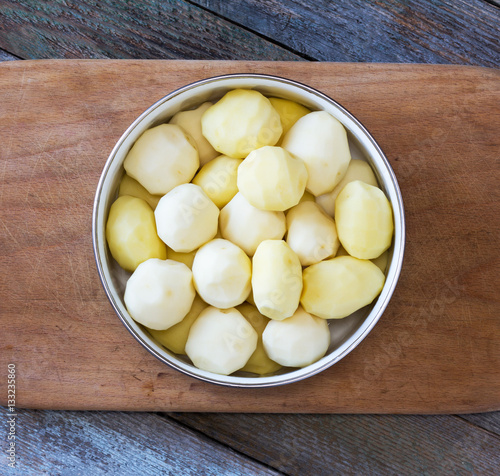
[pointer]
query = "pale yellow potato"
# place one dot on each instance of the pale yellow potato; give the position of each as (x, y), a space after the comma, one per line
(218, 179)
(174, 338)
(300, 340)
(248, 226)
(222, 273)
(276, 279)
(357, 170)
(162, 158)
(320, 141)
(290, 112)
(363, 216)
(221, 341)
(259, 362)
(159, 293)
(336, 288)
(271, 179)
(190, 121)
(130, 186)
(242, 121)
(186, 218)
(131, 233)
(311, 233)
(186, 258)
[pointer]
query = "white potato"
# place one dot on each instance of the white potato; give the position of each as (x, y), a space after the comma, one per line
(320, 141)
(363, 216)
(357, 170)
(159, 293)
(218, 179)
(186, 218)
(335, 288)
(297, 341)
(222, 273)
(174, 338)
(190, 121)
(131, 233)
(162, 158)
(221, 341)
(311, 233)
(271, 179)
(247, 226)
(276, 279)
(259, 362)
(242, 121)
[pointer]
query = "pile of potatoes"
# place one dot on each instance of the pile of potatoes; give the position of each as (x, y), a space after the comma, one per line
(246, 226)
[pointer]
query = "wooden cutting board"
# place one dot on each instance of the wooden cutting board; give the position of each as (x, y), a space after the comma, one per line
(435, 350)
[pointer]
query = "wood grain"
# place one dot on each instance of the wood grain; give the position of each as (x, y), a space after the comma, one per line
(434, 351)
(100, 443)
(488, 421)
(437, 31)
(107, 29)
(355, 444)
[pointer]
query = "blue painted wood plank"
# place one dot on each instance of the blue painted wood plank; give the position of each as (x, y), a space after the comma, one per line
(414, 31)
(356, 444)
(150, 29)
(98, 443)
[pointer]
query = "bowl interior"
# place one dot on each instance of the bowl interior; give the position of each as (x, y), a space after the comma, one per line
(346, 333)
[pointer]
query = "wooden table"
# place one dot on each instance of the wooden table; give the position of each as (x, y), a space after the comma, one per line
(444, 32)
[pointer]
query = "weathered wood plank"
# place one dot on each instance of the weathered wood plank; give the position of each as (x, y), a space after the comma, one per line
(489, 421)
(151, 29)
(6, 56)
(355, 444)
(98, 443)
(437, 31)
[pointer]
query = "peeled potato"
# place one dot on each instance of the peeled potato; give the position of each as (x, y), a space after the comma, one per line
(276, 279)
(174, 338)
(131, 233)
(335, 288)
(300, 340)
(259, 362)
(290, 112)
(271, 179)
(320, 141)
(218, 179)
(129, 186)
(190, 121)
(186, 218)
(159, 293)
(248, 226)
(186, 258)
(311, 233)
(357, 170)
(162, 158)
(242, 121)
(222, 273)
(221, 341)
(364, 220)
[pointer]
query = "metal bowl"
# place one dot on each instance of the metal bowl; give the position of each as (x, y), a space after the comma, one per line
(346, 333)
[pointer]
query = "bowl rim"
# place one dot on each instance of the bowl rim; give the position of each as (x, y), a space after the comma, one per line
(381, 302)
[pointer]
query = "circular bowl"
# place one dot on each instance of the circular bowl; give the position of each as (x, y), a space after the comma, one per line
(346, 333)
